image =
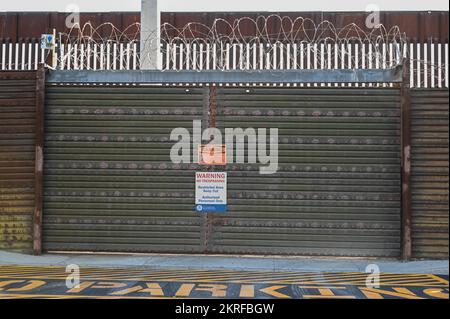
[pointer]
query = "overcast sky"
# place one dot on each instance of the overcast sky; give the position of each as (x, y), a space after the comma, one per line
(225, 5)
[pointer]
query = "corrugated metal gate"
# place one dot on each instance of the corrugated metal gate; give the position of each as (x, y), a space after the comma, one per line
(17, 153)
(429, 159)
(337, 191)
(110, 184)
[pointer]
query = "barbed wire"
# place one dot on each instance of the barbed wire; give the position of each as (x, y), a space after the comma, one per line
(245, 44)
(425, 73)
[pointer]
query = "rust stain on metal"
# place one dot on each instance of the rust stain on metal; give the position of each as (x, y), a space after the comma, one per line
(17, 159)
(407, 156)
(39, 160)
(429, 174)
(212, 106)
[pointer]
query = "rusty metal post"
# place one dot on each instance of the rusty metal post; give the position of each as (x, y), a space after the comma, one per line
(39, 160)
(212, 106)
(406, 249)
(211, 116)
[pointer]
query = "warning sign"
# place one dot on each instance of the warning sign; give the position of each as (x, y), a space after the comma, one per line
(211, 192)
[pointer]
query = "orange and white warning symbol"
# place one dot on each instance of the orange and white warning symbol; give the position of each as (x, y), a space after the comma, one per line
(212, 154)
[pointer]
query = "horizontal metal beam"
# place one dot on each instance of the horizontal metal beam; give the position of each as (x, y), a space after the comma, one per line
(204, 77)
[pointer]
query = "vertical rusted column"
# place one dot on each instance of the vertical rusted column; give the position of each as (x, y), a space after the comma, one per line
(212, 107)
(39, 160)
(406, 167)
(211, 120)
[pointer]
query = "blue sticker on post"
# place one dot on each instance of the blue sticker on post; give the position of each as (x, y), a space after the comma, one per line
(211, 192)
(211, 208)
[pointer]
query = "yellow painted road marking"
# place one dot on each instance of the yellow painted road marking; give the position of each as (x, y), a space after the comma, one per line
(247, 291)
(442, 280)
(417, 281)
(154, 289)
(326, 293)
(209, 275)
(436, 293)
(273, 291)
(378, 293)
(217, 276)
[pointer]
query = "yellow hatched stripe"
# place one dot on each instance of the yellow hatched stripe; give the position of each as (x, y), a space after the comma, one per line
(137, 274)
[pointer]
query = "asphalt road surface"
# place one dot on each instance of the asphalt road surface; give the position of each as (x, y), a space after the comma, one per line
(111, 283)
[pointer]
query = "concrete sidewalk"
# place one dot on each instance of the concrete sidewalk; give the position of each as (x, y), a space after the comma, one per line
(208, 262)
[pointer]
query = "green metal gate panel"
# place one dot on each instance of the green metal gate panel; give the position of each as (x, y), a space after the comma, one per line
(109, 183)
(337, 190)
(17, 140)
(429, 173)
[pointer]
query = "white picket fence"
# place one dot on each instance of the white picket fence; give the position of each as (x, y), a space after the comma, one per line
(428, 62)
